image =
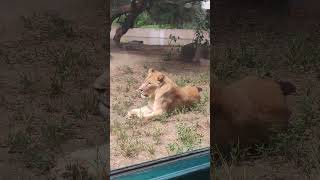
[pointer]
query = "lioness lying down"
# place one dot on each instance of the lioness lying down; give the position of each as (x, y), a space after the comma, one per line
(247, 109)
(164, 95)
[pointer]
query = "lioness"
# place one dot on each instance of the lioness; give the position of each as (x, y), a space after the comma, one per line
(164, 94)
(248, 109)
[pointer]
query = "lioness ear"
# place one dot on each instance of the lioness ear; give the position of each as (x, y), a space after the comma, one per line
(160, 77)
(151, 70)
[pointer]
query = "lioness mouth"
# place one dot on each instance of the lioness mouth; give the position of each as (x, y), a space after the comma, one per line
(144, 95)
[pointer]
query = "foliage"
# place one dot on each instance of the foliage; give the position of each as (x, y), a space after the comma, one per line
(163, 14)
(201, 24)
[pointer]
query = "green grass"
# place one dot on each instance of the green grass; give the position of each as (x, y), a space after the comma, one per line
(26, 82)
(56, 86)
(188, 139)
(302, 55)
(156, 136)
(129, 145)
(121, 106)
(38, 145)
(48, 26)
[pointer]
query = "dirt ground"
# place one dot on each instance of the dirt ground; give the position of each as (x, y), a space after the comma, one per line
(48, 106)
(135, 141)
(263, 44)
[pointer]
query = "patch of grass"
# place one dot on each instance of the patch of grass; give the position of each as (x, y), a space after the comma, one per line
(163, 118)
(78, 170)
(100, 164)
(20, 136)
(129, 145)
(69, 62)
(227, 169)
(89, 104)
(183, 81)
(120, 106)
(248, 54)
(51, 106)
(133, 122)
(56, 86)
(38, 146)
(188, 139)
(48, 26)
(75, 170)
(227, 66)
(115, 126)
(131, 81)
(200, 78)
(18, 140)
(150, 149)
(55, 131)
(125, 69)
(38, 158)
(75, 112)
(26, 82)
(302, 55)
(156, 136)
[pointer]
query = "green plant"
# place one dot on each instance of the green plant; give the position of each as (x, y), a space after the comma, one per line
(188, 139)
(156, 136)
(302, 55)
(226, 66)
(56, 86)
(247, 55)
(169, 54)
(50, 26)
(129, 146)
(150, 149)
(120, 106)
(201, 25)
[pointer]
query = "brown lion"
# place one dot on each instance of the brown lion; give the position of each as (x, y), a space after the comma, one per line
(164, 95)
(248, 109)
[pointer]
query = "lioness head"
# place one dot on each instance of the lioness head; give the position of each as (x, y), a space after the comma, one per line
(153, 81)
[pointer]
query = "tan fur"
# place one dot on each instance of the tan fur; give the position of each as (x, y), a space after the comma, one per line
(246, 110)
(164, 95)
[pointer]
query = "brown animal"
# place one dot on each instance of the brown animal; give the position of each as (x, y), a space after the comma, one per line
(164, 95)
(245, 111)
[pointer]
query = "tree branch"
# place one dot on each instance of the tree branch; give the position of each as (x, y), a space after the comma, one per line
(136, 9)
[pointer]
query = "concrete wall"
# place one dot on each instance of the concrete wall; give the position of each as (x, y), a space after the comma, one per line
(157, 36)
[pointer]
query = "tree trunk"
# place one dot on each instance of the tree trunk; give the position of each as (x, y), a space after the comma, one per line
(135, 9)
